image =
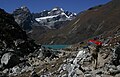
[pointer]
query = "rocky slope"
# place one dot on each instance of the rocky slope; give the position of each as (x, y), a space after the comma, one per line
(74, 62)
(97, 20)
(15, 45)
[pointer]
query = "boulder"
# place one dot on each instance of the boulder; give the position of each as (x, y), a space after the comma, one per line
(117, 75)
(88, 75)
(15, 70)
(79, 72)
(118, 67)
(113, 72)
(98, 76)
(9, 60)
(34, 74)
(5, 71)
(65, 75)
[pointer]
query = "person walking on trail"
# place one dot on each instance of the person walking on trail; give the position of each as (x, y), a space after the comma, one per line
(95, 50)
(95, 54)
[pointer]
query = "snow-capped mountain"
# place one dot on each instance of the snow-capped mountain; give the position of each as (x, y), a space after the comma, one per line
(49, 18)
(97, 20)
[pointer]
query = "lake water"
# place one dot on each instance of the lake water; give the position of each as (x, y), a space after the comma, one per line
(57, 46)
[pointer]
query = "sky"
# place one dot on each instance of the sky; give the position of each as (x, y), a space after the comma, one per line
(40, 5)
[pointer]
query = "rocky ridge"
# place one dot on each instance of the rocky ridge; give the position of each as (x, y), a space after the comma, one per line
(16, 46)
(23, 17)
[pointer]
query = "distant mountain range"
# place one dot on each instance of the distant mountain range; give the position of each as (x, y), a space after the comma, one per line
(101, 19)
(57, 26)
(51, 19)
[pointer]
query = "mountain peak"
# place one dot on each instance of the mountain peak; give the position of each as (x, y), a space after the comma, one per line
(53, 17)
(24, 8)
(23, 17)
(1, 10)
(57, 8)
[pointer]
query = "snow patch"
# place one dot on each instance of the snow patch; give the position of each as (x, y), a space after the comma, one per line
(43, 18)
(61, 9)
(48, 12)
(54, 9)
(22, 7)
(44, 10)
(74, 13)
(64, 14)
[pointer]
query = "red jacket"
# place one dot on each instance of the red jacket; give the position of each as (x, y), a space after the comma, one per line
(95, 42)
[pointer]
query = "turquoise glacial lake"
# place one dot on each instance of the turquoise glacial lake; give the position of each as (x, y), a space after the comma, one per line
(56, 46)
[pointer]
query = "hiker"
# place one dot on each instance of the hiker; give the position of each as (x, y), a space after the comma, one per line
(95, 50)
(95, 54)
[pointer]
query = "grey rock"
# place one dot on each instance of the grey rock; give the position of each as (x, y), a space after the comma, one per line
(79, 72)
(64, 66)
(34, 74)
(117, 75)
(9, 59)
(16, 70)
(5, 71)
(87, 69)
(65, 61)
(40, 55)
(61, 71)
(118, 67)
(88, 75)
(74, 75)
(65, 75)
(113, 72)
(68, 67)
(98, 76)
(26, 69)
(99, 71)
(113, 67)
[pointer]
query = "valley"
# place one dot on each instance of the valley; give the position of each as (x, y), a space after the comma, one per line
(60, 43)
